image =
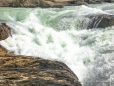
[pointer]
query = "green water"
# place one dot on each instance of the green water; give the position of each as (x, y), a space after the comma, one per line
(62, 35)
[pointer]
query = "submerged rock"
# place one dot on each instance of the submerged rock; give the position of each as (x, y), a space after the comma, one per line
(101, 21)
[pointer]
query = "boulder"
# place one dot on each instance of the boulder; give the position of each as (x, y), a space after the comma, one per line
(19, 70)
(101, 21)
(5, 31)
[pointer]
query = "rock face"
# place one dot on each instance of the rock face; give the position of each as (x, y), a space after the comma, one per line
(101, 21)
(47, 3)
(5, 31)
(18, 70)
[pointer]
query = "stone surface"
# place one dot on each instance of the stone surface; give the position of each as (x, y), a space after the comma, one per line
(48, 3)
(5, 31)
(101, 21)
(19, 70)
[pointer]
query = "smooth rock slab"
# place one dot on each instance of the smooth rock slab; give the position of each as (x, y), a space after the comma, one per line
(19, 70)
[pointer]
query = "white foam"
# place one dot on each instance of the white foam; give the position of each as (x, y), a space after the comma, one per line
(79, 49)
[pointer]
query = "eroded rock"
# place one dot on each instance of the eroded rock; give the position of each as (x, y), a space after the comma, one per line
(5, 31)
(19, 70)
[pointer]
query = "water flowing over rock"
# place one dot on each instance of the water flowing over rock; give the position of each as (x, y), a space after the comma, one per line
(19, 70)
(101, 21)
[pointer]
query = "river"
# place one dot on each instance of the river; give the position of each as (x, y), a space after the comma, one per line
(59, 34)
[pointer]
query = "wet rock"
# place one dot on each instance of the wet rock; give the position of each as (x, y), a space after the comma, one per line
(95, 1)
(5, 31)
(19, 70)
(98, 1)
(48, 3)
(108, 1)
(80, 3)
(101, 21)
(34, 3)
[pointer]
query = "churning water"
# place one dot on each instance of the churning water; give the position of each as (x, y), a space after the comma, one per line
(61, 34)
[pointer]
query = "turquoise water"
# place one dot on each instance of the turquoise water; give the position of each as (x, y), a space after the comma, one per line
(62, 35)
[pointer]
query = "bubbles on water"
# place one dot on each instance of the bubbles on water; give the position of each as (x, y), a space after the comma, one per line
(101, 72)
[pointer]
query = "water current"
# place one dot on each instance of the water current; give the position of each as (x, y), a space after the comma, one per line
(61, 34)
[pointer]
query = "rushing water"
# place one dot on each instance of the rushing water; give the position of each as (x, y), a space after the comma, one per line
(62, 34)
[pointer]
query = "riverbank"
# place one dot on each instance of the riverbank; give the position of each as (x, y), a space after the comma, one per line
(49, 3)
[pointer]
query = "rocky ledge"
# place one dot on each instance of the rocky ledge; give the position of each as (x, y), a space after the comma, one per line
(48, 3)
(19, 70)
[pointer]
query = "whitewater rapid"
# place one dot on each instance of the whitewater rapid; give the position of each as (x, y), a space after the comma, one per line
(58, 34)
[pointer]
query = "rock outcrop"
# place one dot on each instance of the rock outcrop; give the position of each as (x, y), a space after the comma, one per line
(101, 21)
(19, 70)
(48, 3)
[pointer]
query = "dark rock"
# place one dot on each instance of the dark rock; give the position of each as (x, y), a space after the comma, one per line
(19, 70)
(97, 1)
(101, 21)
(5, 31)
(108, 1)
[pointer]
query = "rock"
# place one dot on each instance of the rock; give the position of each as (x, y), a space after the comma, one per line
(19, 70)
(3, 51)
(5, 31)
(48, 3)
(52, 4)
(62, 1)
(109, 1)
(101, 21)
(95, 1)
(81, 3)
